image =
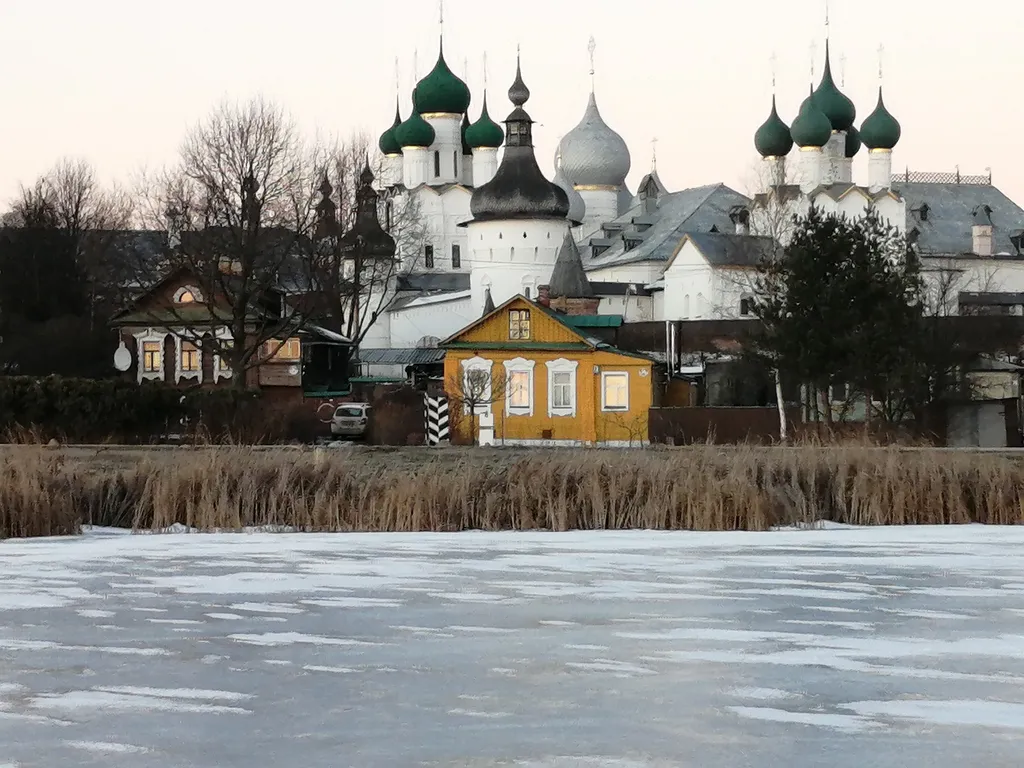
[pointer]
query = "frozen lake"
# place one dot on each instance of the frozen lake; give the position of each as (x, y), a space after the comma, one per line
(840, 648)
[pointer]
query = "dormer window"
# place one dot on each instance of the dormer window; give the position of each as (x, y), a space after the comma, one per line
(188, 295)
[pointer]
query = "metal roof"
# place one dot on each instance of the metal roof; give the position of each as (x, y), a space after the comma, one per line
(409, 356)
(678, 214)
(945, 225)
(732, 250)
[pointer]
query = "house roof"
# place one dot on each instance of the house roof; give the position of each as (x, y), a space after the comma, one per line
(678, 213)
(568, 278)
(585, 342)
(730, 250)
(945, 229)
(183, 314)
(412, 356)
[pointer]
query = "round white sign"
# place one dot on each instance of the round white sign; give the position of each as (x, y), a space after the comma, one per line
(122, 357)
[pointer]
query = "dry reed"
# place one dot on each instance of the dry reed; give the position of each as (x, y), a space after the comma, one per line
(703, 488)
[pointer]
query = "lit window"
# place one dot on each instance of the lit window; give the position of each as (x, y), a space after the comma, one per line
(287, 351)
(189, 357)
(519, 324)
(187, 295)
(152, 356)
(519, 395)
(615, 391)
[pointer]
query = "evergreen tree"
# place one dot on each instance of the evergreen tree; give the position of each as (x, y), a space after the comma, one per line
(840, 305)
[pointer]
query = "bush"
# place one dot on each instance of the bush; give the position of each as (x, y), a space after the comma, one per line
(106, 410)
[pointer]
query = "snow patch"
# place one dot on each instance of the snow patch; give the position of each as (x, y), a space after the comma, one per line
(821, 719)
(292, 638)
(106, 747)
(989, 714)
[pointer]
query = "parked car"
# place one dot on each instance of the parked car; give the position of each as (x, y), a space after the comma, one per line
(350, 420)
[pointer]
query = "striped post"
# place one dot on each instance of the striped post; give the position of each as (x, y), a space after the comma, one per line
(437, 419)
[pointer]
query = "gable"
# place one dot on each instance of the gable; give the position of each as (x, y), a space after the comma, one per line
(501, 329)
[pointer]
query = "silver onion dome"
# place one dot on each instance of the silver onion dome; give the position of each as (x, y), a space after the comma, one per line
(577, 206)
(592, 153)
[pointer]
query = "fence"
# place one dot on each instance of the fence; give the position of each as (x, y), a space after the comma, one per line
(679, 426)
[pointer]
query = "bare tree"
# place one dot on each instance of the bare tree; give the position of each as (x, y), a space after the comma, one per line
(354, 274)
(239, 207)
(473, 391)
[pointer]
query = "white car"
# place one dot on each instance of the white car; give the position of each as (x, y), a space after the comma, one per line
(350, 420)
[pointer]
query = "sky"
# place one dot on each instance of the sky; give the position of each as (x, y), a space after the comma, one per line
(119, 83)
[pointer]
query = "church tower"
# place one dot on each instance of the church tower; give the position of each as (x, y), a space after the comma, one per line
(519, 217)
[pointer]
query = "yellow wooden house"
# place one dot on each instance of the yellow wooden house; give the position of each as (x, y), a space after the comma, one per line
(544, 382)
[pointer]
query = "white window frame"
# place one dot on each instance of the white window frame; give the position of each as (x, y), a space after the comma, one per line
(222, 335)
(561, 365)
(179, 374)
(519, 365)
(478, 364)
(149, 334)
(605, 375)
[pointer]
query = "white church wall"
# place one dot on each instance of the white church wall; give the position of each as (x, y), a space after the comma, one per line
(510, 256)
(438, 316)
(688, 285)
(444, 163)
(441, 214)
(633, 309)
(642, 272)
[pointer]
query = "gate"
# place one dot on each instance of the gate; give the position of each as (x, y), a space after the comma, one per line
(437, 419)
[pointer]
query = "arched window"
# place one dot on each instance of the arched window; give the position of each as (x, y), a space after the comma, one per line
(187, 294)
(686, 307)
(437, 164)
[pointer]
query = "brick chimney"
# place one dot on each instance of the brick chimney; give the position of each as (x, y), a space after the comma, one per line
(580, 306)
(543, 296)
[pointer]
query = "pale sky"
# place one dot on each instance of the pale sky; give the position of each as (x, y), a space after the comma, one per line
(119, 82)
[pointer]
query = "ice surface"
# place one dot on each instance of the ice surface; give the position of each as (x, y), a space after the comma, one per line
(845, 646)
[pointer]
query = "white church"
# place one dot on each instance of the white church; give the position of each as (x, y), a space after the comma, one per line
(496, 225)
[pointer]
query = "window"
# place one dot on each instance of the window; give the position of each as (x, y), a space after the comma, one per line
(615, 391)
(187, 295)
(476, 385)
(519, 396)
(526, 291)
(562, 387)
(746, 306)
(152, 356)
(388, 211)
(437, 164)
(224, 358)
(456, 256)
(561, 390)
(519, 324)
(455, 162)
(840, 392)
(285, 352)
(428, 256)
(189, 357)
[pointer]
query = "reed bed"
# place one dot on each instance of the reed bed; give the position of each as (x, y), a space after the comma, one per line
(703, 488)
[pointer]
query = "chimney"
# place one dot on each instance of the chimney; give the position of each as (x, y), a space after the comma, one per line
(543, 296)
(740, 216)
(981, 232)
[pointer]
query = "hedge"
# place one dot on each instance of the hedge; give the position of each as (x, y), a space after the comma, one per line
(102, 410)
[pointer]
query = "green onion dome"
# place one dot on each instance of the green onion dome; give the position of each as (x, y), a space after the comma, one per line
(853, 142)
(839, 110)
(441, 91)
(880, 130)
(388, 144)
(772, 139)
(485, 132)
(466, 149)
(415, 132)
(811, 127)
